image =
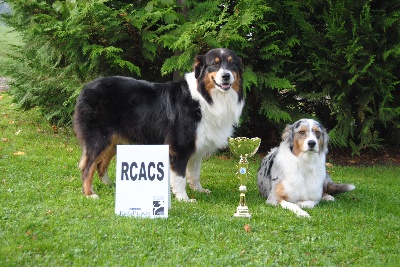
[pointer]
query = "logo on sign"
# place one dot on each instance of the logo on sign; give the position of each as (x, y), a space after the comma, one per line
(158, 206)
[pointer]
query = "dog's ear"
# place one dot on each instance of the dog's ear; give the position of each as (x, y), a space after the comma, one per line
(198, 65)
(240, 64)
(287, 134)
(326, 139)
(324, 136)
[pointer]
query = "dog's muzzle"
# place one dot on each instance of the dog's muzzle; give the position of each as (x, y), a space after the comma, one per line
(311, 145)
(225, 84)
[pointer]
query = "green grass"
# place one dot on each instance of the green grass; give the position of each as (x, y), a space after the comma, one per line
(46, 221)
(8, 40)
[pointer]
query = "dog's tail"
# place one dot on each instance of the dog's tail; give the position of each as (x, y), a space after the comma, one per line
(332, 188)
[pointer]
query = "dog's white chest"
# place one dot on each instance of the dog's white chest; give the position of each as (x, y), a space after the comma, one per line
(218, 118)
(217, 124)
(303, 177)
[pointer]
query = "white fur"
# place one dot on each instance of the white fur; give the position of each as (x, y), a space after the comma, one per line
(301, 177)
(311, 137)
(295, 208)
(217, 123)
(304, 175)
(178, 186)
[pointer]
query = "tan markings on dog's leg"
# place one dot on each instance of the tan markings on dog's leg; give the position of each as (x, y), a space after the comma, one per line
(280, 192)
(102, 166)
(87, 182)
(282, 198)
(83, 160)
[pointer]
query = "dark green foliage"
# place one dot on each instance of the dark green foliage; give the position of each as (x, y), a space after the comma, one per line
(69, 43)
(347, 65)
(337, 61)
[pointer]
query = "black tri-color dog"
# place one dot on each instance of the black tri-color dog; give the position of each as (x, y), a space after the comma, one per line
(194, 117)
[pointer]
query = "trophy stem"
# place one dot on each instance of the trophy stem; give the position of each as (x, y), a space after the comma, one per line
(242, 210)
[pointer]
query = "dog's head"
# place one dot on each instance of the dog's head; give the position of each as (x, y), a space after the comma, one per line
(306, 136)
(219, 70)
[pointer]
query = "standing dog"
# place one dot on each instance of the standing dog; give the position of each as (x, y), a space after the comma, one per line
(294, 174)
(194, 117)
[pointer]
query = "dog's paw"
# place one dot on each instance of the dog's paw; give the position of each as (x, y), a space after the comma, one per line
(188, 200)
(302, 213)
(293, 207)
(197, 187)
(93, 196)
(203, 190)
(184, 198)
(328, 197)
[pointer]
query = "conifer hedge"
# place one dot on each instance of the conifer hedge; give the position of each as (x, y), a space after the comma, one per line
(337, 61)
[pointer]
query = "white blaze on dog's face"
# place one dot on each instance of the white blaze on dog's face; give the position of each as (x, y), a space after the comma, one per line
(219, 70)
(307, 136)
(223, 79)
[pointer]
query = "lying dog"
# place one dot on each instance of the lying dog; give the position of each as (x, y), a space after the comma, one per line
(194, 117)
(294, 174)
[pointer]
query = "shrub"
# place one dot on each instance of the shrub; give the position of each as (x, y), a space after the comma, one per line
(333, 60)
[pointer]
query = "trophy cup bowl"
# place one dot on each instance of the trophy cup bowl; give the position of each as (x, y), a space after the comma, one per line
(243, 147)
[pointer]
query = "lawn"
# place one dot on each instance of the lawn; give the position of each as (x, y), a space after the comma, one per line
(8, 39)
(46, 221)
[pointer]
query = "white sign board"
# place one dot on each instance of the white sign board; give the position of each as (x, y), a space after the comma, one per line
(142, 181)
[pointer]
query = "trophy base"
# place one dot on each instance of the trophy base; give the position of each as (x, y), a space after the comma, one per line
(242, 212)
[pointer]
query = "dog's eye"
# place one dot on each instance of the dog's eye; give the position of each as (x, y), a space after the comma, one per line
(232, 62)
(214, 63)
(317, 133)
(302, 132)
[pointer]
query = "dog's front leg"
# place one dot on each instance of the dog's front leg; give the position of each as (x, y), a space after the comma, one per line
(178, 186)
(193, 173)
(293, 207)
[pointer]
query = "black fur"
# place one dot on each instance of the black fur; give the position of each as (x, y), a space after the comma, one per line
(117, 104)
(117, 110)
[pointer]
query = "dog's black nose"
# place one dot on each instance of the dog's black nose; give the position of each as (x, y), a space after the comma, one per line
(311, 143)
(226, 76)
